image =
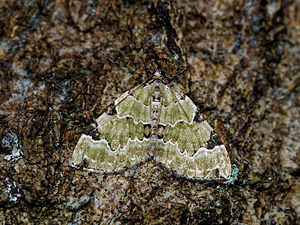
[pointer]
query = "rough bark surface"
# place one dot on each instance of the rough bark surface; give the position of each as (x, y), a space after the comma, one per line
(62, 62)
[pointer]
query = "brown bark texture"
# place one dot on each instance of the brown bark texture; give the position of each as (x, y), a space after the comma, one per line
(62, 62)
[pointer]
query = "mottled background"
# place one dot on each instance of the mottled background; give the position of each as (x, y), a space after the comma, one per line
(62, 62)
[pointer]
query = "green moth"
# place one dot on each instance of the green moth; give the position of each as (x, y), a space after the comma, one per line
(153, 122)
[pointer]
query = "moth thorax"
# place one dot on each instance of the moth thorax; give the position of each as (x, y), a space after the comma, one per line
(155, 106)
(156, 96)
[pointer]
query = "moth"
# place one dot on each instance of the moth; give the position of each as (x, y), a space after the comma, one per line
(153, 122)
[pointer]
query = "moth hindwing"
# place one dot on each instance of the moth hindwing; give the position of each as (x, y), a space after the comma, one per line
(155, 122)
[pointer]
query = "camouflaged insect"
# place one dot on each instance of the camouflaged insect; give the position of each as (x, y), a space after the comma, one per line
(153, 122)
